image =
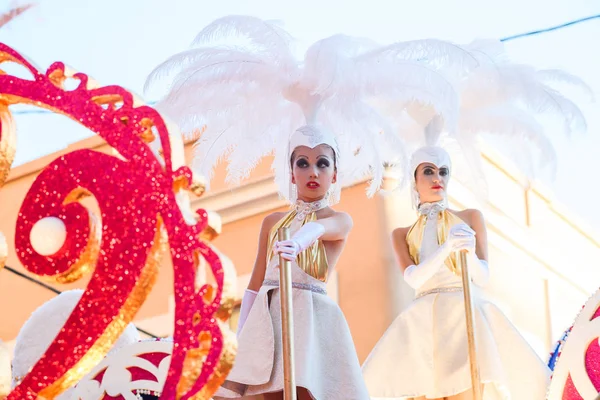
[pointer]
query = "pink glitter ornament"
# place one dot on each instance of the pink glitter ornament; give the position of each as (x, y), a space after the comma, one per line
(136, 197)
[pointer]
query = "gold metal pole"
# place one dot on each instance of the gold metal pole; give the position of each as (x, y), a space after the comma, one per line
(287, 322)
(466, 279)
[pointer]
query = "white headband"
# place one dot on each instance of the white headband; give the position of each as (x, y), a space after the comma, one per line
(311, 136)
(429, 154)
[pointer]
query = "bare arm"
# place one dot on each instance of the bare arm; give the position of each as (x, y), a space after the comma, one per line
(401, 248)
(478, 225)
(337, 227)
(260, 264)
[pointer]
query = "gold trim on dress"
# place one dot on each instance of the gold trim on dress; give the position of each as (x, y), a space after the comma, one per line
(313, 260)
(414, 237)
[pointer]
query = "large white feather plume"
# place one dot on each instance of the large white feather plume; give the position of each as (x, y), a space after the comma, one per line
(249, 94)
(495, 97)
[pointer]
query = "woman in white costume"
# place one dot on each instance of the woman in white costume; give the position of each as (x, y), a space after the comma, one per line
(327, 366)
(424, 354)
(256, 99)
(280, 110)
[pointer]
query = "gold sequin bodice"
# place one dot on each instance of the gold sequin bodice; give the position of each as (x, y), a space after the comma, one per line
(313, 260)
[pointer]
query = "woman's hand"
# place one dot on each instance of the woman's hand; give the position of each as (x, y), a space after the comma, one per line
(287, 249)
(302, 240)
(461, 237)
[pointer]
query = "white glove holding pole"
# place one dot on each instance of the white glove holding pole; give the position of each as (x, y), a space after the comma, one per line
(479, 269)
(460, 237)
(247, 302)
(302, 240)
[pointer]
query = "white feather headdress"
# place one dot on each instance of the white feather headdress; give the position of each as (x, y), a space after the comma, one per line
(249, 97)
(496, 97)
(506, 99)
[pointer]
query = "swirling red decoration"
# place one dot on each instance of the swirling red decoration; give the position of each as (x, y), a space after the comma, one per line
(135, 194)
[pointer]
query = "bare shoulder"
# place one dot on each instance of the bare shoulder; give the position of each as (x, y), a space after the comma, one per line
(340, 217)
(343, 217)
(271, 219)
(341, 220)
(399, 234)
(471, 216)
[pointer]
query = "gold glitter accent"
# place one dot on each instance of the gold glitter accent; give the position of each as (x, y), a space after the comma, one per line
(124, 115)
(228, 297)
(8, 142)
(7, 156)
(213, 229)
(195, 358)
(198, 186)
(147, 135)
(224, 366)
(180, 183)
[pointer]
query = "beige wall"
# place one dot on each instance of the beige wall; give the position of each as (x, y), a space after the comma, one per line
(542, 261)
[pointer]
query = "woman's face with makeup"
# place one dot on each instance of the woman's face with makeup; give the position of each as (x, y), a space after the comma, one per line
(431, 182)
(313, 171)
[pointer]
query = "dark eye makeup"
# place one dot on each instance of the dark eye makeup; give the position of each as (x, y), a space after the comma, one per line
(430, 171)
(301, 163)
(323, 163)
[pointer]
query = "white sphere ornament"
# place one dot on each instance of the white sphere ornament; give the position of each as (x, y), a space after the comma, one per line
(48, 235)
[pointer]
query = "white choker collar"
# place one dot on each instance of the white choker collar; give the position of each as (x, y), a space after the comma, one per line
(432, 209)
(303, 209)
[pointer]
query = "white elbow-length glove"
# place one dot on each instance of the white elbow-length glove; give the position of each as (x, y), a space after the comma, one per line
(460, 237)
(247, 302)
(302, 240)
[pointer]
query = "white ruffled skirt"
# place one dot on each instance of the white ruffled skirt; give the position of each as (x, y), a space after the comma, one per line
(326, 360)
(424, 353)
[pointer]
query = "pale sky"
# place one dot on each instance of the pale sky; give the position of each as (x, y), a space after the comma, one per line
(120, 41)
